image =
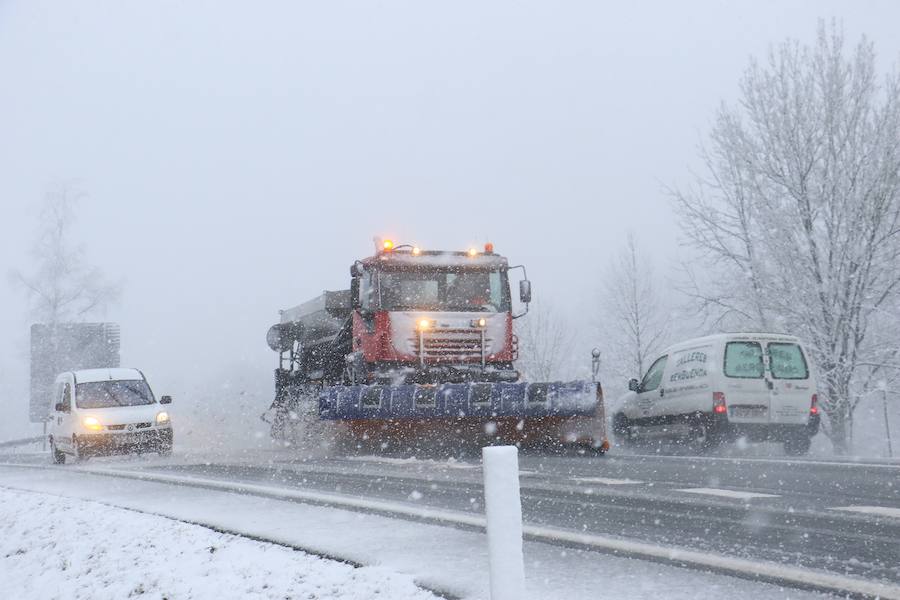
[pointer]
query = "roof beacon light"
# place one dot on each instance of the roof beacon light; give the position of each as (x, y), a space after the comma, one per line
(388, 245)
(489, 248)
(416, 251)
(473, 252)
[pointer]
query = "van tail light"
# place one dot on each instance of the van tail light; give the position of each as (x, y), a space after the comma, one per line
(814, 405)
(719, 403)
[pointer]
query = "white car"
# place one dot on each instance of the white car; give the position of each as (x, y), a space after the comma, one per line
(107, 411)
(717, 388)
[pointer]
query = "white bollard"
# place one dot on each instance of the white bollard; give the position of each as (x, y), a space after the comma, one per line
(503, 509)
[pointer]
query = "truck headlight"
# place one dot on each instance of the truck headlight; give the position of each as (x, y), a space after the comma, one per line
(91, 423)
(162, 418)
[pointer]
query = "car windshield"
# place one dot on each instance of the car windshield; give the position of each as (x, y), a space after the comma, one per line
(106, 394)
(467, 290)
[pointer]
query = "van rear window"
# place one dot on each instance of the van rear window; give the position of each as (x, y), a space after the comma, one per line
(744, 360)
(786, 361)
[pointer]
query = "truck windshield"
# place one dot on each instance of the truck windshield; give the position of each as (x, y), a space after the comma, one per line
(458, 290)
(106, 394)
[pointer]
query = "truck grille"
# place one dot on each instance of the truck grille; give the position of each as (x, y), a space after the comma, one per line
(450, 344)
(121, 427)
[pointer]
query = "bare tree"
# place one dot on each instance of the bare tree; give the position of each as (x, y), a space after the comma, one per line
(62, 287)
(798, 212)
(635, 322)
(545, 343)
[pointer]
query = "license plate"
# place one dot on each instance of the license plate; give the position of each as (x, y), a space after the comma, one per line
(748, 413)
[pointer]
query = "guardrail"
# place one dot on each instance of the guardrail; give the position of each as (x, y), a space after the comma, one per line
(22, 442)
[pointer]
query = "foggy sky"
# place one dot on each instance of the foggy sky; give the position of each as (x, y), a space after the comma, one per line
(239, 156)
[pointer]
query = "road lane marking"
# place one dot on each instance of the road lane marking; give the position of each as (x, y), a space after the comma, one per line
(727, 493)
(607, 481)
(881, 511)
(426, 462)
(783, 461)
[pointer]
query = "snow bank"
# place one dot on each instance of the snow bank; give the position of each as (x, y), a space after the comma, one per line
(52, 547)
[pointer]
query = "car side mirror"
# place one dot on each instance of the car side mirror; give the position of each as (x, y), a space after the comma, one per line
(165, 400)
(525, 291)
(633, 385)
(60, 407)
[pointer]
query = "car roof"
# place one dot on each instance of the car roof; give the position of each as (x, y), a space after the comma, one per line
(92, 375)
(740, 336)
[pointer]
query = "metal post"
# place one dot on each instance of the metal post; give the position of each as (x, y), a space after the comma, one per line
(44, 438)
(503, 510)
(887, 423)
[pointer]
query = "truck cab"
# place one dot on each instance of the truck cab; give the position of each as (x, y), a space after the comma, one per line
(425, 316)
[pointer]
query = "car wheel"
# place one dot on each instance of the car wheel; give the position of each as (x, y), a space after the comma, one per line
(59, 458)
(76, 449)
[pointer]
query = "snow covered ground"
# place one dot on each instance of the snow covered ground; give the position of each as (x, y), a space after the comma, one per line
(56, 547)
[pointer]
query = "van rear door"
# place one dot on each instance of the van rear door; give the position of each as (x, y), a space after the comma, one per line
(792, 387)
(746, 387)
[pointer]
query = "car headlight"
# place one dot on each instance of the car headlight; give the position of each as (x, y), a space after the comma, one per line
(91, 423)
(162, 418)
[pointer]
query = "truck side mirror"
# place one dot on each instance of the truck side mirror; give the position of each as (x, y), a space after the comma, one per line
(60, 407)
(525, 291)
(633, 385)
(355, 300)
(165, 400)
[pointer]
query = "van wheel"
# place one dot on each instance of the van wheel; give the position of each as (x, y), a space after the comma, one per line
(622, 430)
(59, 458)
(705, 436)
(797, 446)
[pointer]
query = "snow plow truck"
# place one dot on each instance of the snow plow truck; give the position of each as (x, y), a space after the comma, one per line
(421, 350)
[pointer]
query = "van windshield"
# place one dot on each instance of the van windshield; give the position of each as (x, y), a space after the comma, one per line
(107, 394)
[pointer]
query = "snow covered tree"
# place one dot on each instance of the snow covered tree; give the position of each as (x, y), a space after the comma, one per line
(545, 343)
(634, 322)
(62, 287)
(798, 212)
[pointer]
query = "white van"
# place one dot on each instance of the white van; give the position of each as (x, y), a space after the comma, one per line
(107, 411)
(720, 387)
